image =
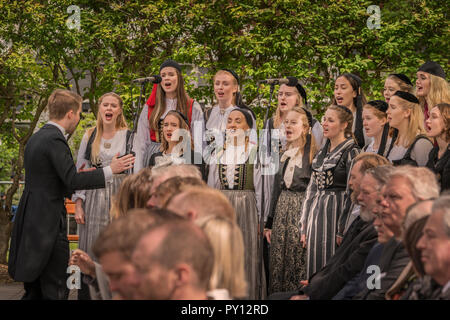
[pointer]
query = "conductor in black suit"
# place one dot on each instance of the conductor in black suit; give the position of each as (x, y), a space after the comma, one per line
(39, 251)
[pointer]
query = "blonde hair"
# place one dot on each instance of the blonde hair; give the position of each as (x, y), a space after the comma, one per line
(120, 124)
(277, 116)
(227, 242)
(415, 122)
(235, 82)
(207, 201)
(134, 192)
(439, 92)
(301, 141)
(182, 125)
(160, 104)
(403, 85)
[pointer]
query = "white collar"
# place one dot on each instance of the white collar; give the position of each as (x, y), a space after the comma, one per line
(63, 131)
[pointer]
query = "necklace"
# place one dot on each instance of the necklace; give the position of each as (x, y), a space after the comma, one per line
(107, 145)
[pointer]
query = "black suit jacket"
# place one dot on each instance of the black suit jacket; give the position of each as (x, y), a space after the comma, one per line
(394, 259)
(346, 263)
(50, 175)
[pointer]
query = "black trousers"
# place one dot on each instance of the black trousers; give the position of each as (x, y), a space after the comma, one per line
(51, 284)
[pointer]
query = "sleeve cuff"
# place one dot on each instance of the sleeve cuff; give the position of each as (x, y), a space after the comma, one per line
(107, 171)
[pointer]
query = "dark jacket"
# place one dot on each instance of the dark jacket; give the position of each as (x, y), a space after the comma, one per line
(441, 167)
(394, 259)
(50, 175)
(345, 264)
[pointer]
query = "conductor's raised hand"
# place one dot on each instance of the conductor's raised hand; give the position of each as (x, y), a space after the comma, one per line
(121, 164)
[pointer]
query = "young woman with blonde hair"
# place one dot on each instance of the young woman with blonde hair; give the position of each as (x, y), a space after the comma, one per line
(98, 147)
(409, 144)
(431, 86)
(322, 209)
(287, 257)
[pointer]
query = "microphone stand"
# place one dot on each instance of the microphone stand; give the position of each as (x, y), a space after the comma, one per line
(130, 141)
(261, 219)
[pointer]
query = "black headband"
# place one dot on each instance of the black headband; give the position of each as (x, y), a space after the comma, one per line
(402, 77)
(293, 82)
(180, 114)
(344, 108)
(309, 116)
(379, 104)
(170, 63)
(247, 115)
(406, 96)
(433, 68)
(354, 77)
(234, 74)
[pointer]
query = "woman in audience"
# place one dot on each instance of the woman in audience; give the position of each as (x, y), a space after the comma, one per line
(134, 192)
(438, 127)
(287, 257)
(409, 143)
(326, 192)
(228, 275)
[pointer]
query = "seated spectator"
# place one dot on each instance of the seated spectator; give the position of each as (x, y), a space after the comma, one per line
(173, 261)
(406, 185)
(171, 187)
(113, 276)
(134, 192)
(351, 254)
(416, 217)
(228, 275)
(361, 163)
(197, 202)
(369, 197)
(434, 246)
(163, 173)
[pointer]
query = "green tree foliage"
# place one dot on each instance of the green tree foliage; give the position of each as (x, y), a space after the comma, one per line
(120, 40)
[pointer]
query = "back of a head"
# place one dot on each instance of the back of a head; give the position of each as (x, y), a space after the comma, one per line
(181, 170)
(173, 186)
(442, 204)
(370, 160)
(123, 233)
(62, 101)
(381, 174)
(228, 245)
(134, 192)
(207, 201)
(422, 181)
(184, 242)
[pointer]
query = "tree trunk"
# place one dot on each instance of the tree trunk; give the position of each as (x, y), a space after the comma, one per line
(5, 233)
